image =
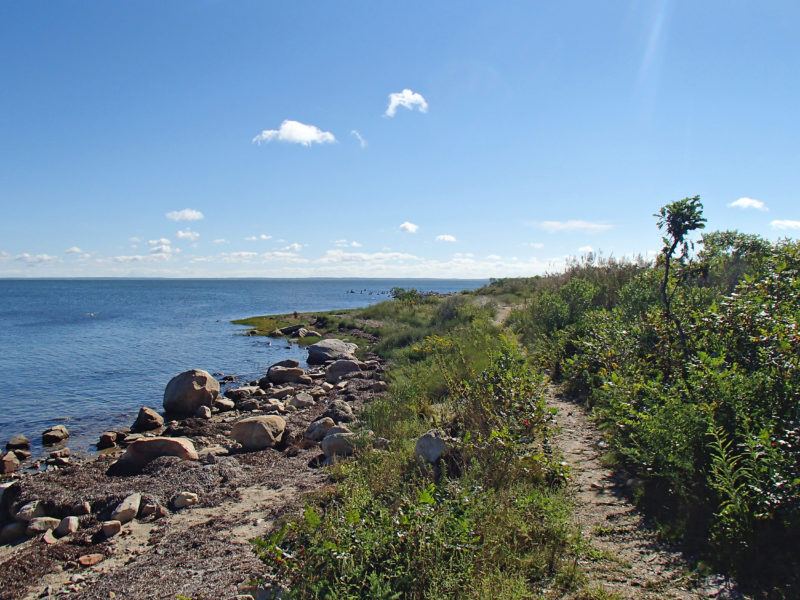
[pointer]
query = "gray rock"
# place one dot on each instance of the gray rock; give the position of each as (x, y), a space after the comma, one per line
(340, 411)
(127, 509)
(147, 420)
(241, 393)
(281, 375)
(317, 430)
(291, 329)
(289, 363)
(223, 404)
(67, 526)
(257, 433)
(9, 463)
(330, 349)
(340, 368)
(281, 393)
(111, 528)
(302, 400)
(32, 510)
(337, 429)
(54, 435)
(18, 442)
(380, 443)
(338, 444)
(40, 525)
(144, 450)
(188, 390)
(432, 446)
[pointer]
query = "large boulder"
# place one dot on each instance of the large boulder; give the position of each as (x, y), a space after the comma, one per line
(340, 411)
(143, 450)
(317, 430)
(338, 444)
(331, 349)
(257, 433)
(185, 392)
(280, 375)
(147, 420)
(54, 435)
(341, 368)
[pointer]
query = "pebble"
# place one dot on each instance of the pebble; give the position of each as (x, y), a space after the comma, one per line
(89, 560)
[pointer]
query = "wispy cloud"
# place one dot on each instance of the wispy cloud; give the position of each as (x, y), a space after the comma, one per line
(187, 234)
(340, 256)
(785, 224)
(346, 244)
(749, 203)
(73, 250)
(406, 99)
(254, 238)
(220, 241)
(408, 227)
(187, 214)
(164, 249)
(159, 257)
(160, 241)
(574, 225)
(534, 244)
(445, 237)
(134, 240)
(36, 259)
(295, 132)
(360, 138)
(293, 247)
(493, 257)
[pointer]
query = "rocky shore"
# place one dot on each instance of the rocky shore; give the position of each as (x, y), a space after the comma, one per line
(167, 507)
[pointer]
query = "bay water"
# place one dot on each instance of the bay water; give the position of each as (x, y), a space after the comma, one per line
(87, 353)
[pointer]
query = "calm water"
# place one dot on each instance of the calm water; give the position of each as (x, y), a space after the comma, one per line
(61, 364)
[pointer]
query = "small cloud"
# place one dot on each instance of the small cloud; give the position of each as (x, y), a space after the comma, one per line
(164, 249)
(187, 214)
(36, 259)
(407, 99)
(220, 241)
(445, 237)
(785, 224)
(360, 138)
(255, 238)
(295, 132)
(188, 234)
(749, 203)
(534, 244)
(409, 227)
(134, 240)
(293, 247)
(73, 250)
(346, 244)
(493, 257)
(574, 225)
(160, 241)
(585, 249)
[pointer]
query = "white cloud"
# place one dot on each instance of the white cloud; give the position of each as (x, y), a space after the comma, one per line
(493, 257)
(295, 132)
(785, 224)
(340, 256)
(534, 244)
(220, 241)
(254, 238)
(345, 244)
(574, 225)
(36, 259)
(134, 240)
(73, 250)
(164, 249)
(585, 249)
(159, 242)
(749, 203)
(242, 255)
(187, 234)
(409, 227)
(407, 99)
(139, 258)
(187, 214)
(294, 247)
(360, 138)
(445, 237)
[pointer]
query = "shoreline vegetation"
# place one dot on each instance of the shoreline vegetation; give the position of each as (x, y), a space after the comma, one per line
(440, 471)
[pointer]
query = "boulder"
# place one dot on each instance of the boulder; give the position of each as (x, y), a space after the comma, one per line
(330, 349)
(380, 443)
(147, 420)
(32, 510)
(289, 363)
(317, 430)
(257, 433)
(18, 442)
(291, 329)
(12, 532)
(144, 450)
(41, 524)
(54, 435)
(300, 333)
(223, 404)
(188, 390)
(107, 440)
(380, 386)
(337, 429)
(281, 375)
(340, 411)
(184, 499)
(8, 490)
(22, 455)
(341, 368)
(203, 412)
(241, 393)
(127, 509)
(67, 526)
(111, 528)
(275, 333)
(302, 400)
(338, 444)
(281, 393)
(432, 446)
(9, 464)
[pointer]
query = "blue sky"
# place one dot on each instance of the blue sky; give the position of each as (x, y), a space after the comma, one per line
(422, 139)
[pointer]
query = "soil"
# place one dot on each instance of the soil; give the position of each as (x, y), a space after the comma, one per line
(202, 552)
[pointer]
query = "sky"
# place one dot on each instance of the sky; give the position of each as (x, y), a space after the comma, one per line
(377, 139)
